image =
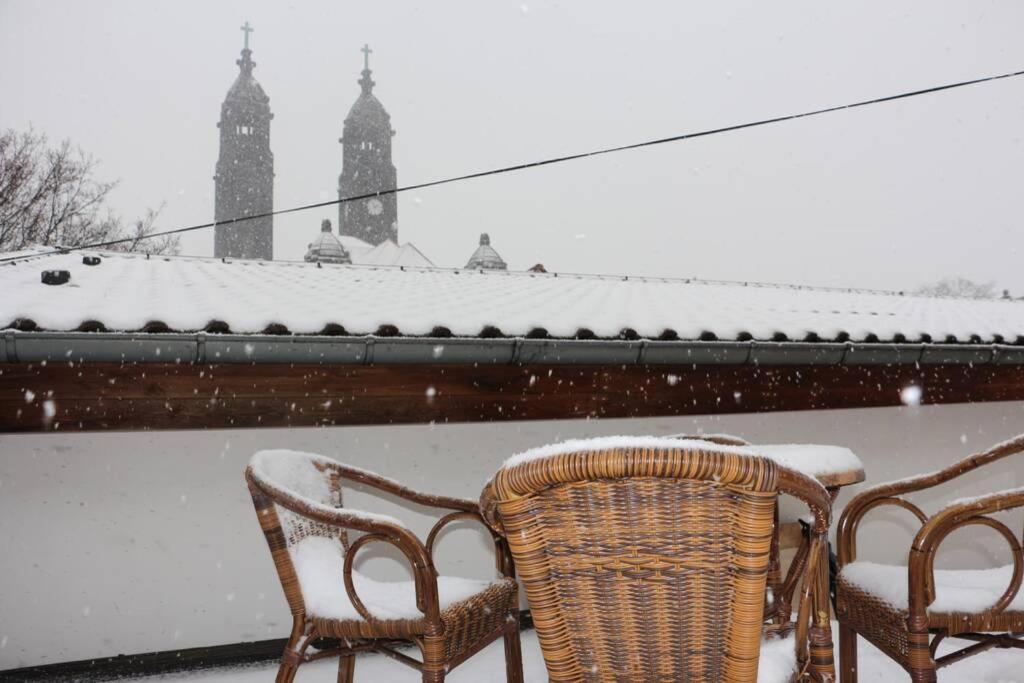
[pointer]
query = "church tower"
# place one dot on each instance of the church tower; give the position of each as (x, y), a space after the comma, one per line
(245, 168)
(366, 168)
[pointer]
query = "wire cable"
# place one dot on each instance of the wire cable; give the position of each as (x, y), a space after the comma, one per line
(548, 162)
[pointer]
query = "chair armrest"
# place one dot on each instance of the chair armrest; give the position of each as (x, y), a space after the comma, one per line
(811, 492)
(888, 494)
(391, 486)
(954, 516)
(343, 518)
(424, 576)
(503, 557)
(378, 528)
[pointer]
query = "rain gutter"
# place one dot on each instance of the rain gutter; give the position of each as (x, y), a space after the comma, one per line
(203, 347)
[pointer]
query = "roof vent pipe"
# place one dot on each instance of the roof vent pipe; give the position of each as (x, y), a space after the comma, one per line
(55, 277)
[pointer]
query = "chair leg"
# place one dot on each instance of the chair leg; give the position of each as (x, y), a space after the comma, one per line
(922, 666)
(513, 653)
(346, 668)
(286, 672)
(823, 666)
(847, 654)
(924, 675)
(435, 667)
(289, 664)
(302, 635)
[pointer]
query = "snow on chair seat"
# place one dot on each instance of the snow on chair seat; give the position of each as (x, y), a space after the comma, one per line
(965, 591)
(776, 661)
(319, 565)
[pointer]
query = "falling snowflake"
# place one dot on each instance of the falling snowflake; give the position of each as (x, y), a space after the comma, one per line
(911, 395)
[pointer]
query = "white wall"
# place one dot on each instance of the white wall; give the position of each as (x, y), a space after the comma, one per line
(122, 543)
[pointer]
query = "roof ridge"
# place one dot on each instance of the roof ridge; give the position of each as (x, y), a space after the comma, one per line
(523, 273)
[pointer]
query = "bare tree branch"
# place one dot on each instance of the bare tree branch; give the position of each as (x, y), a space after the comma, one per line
(49, 196)
(959, 287)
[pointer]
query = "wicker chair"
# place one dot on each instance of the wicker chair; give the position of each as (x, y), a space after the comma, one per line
(298, 501)
(648, 563)
(907, 611)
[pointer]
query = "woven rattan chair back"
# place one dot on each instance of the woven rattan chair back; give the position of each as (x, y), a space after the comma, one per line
(311, 480)
(642, 564)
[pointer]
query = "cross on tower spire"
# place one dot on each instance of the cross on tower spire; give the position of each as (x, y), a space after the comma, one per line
(365, 49)
(247, 30)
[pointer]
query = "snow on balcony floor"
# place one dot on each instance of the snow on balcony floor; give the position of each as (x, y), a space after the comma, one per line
(995, 666)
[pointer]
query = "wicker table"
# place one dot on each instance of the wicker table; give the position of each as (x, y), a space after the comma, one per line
(833, 466)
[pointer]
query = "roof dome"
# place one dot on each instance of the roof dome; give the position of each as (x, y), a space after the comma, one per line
(327, 248)
(485, 256)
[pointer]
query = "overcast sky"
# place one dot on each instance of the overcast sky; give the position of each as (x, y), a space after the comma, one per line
(889, 196)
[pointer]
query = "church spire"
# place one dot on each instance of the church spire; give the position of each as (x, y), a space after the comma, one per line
(244, 181)
(367, 168)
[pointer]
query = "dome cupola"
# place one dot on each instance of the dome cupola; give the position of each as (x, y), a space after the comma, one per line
(485, 257)
(327, 248)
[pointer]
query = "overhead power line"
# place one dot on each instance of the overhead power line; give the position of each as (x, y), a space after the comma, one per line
(556, 160)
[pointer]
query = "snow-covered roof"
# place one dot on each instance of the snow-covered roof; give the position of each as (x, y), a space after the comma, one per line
(129, 292)
(387, 253)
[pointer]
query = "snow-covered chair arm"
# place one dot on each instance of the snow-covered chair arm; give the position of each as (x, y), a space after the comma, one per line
(956, 515)
(890, 494)
(809, 491)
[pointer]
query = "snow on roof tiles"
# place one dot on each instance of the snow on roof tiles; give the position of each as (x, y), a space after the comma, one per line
(127, 291)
